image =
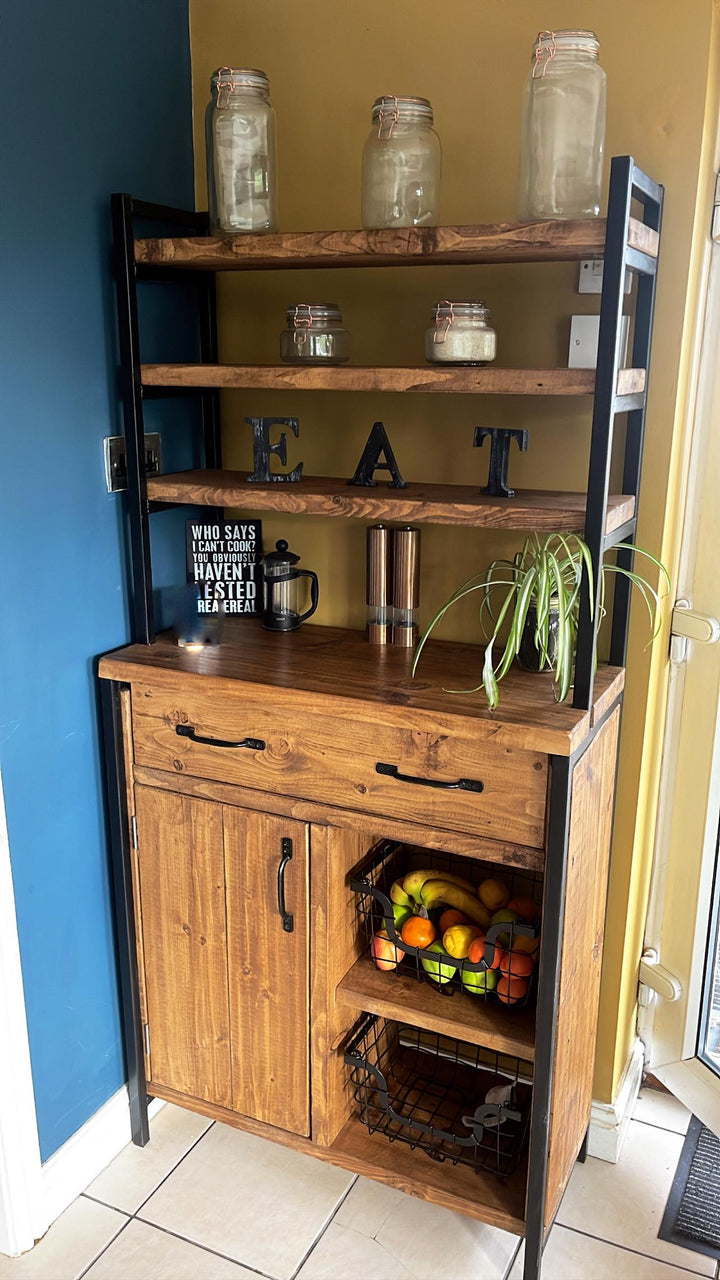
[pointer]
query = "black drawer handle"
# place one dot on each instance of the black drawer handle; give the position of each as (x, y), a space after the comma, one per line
(462, 784)
(287, 852)
(187, 731)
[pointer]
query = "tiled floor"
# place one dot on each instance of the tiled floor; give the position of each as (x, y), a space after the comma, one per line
(206, 1202)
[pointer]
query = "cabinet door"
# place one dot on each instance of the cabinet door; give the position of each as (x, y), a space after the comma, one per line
(268, 968)
(182, 887)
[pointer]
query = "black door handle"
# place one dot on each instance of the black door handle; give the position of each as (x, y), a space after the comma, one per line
(461, 784)
(188, 731)
(287, 852)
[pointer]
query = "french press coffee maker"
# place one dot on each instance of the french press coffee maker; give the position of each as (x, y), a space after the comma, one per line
(280, 589)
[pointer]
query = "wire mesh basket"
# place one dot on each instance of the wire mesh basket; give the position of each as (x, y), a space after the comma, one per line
(454, 1101)
(503, 970)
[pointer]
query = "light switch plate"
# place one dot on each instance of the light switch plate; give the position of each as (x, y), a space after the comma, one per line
(584, 332)
(591, 276)
(116, 460)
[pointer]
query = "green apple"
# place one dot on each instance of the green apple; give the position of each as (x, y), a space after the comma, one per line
(401, 914)
(476, 984)
(438, 972)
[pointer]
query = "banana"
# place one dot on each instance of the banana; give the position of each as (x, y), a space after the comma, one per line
(414, 881)
(399, 896)
(435, 892)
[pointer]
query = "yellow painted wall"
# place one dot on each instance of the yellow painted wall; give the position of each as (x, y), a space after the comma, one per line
(326, 65)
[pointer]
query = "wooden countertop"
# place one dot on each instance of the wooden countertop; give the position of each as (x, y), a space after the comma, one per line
(357, 679)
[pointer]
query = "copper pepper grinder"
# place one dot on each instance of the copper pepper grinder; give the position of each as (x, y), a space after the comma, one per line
(406, 586)
(379, 589)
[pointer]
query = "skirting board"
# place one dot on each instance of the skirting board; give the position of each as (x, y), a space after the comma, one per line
(610, 1121)
(72, 1168)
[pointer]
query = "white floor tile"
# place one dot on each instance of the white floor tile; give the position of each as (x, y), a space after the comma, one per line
(142, 1252)
(71, 1244)
(137, 1171)
(624, 1203)
(368, 1206)
(662, 1110)
(253, 1200)
(343, 1254)
(571, 1256)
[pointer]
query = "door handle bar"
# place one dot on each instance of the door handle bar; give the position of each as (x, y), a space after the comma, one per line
(286, 847)
(460, 784)
(188, 731)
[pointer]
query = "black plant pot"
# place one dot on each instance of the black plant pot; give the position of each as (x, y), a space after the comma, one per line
(529, 656)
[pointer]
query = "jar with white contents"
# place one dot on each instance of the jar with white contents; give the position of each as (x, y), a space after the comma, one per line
(240, 141)
(314, 334)
(461, 333)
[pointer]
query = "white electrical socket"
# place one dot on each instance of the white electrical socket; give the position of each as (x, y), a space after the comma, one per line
(591, 276)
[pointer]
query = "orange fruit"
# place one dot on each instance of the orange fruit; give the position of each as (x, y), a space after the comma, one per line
(516, 964)
(450, 917)
(511, 990)
(527, 910)
(476, 950)
(418, 932)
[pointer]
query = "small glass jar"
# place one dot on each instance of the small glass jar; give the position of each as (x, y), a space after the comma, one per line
(314, 335)
(563, 132)
(240, 149)
(401, 165)
(461, 333)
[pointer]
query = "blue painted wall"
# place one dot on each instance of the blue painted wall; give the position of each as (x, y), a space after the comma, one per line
(93, 98)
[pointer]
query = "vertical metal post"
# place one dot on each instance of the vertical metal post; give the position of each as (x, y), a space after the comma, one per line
(608, 360)
(119, 841)
(548, 991)
(142, 615)
(209, 355)
(644, 311)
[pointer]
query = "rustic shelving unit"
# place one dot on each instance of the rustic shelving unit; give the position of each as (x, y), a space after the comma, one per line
(324, 707)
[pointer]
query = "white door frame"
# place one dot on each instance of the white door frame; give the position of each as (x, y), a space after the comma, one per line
(20, 1166)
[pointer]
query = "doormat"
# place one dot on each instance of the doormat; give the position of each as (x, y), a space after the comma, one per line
(692, 1213)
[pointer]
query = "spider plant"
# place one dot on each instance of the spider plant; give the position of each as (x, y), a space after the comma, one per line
(542, 579)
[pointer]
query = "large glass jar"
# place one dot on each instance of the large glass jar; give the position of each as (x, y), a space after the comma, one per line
(240, 146)
(314, 335)
(401, 165)
(563, 133)
(461, 333)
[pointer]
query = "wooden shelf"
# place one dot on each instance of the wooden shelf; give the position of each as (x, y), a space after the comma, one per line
(404, 246)
(424, 503)
(498, 1201)
(352, 675)
(402, 998)
(485, 380)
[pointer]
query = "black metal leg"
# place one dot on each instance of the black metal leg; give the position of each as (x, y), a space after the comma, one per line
(118, 830)
(548, 989)
(582, 1153)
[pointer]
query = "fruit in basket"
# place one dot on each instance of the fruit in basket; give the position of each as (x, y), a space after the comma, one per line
(494, 894)
(478, 984)
(512, 990)
(438, 971)
(528, 911)
(505, 917)
(399, 896)
(384, 952)
(414, 881)
(450, 917)
(457, 939)
(516, 964)
(418, 932)
(437, 892)
(400, 914)
(521, 942)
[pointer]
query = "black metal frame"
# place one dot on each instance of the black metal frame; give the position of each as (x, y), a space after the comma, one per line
(627, 183)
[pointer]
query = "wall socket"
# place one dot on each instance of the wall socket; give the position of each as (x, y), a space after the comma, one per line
(591, 276)
(116, 460)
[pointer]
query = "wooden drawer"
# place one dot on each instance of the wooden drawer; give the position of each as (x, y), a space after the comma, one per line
(335, 761)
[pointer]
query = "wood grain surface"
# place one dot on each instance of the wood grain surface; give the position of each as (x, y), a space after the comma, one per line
(268, 969)
(411, 246)
(183, 918)
(582, 945)
(332, 671)
(333, 759)
(420, 503)
(401, 997)
(497, 1201)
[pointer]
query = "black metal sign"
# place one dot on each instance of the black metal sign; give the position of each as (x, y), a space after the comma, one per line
(222, 559)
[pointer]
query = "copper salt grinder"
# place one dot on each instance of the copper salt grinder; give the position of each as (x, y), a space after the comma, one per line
(378, 593)
(406, 586)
